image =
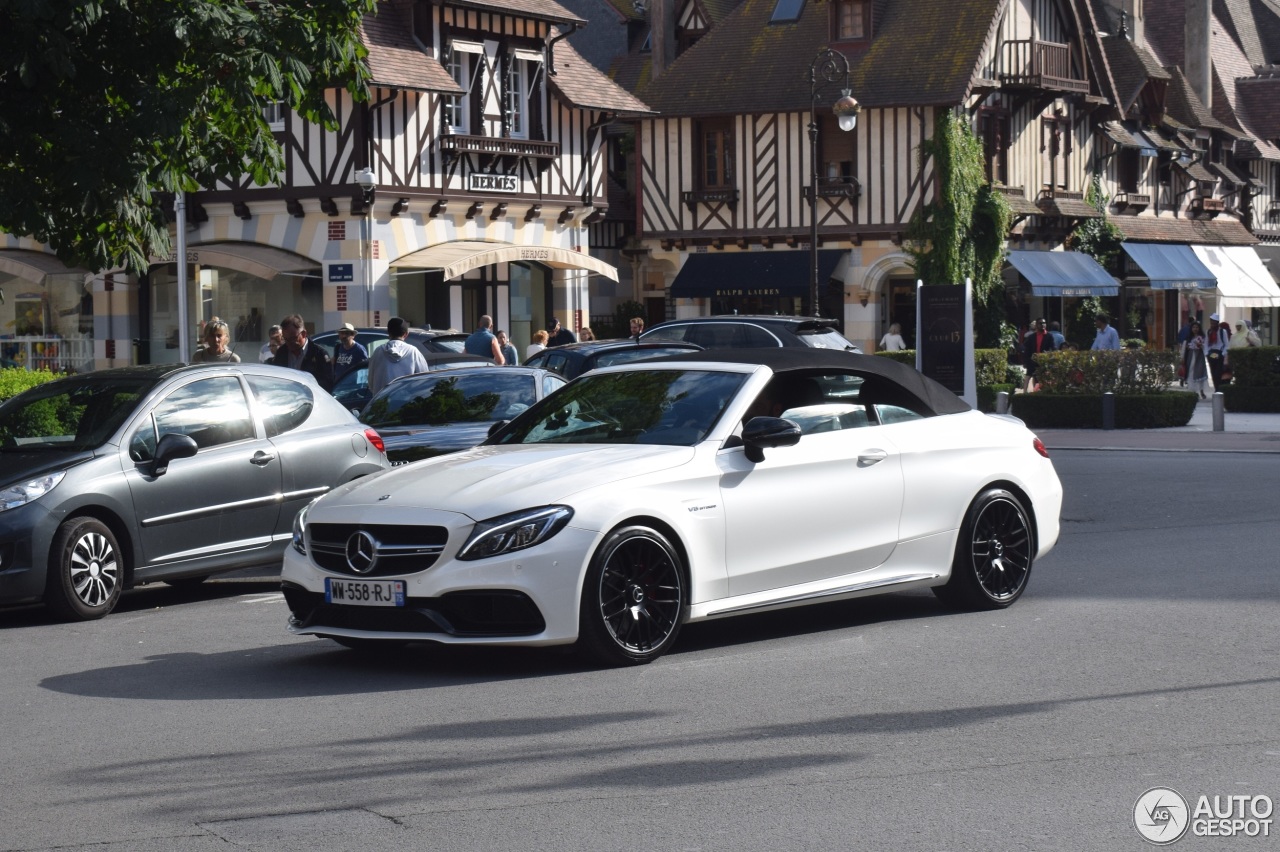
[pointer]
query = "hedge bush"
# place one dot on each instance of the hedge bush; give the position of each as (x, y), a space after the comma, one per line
(1254, 386)
(1122, 372)
(15, 380)
(1045, 410)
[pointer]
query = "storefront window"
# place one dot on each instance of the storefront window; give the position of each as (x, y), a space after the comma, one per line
(247, 304)
(47, 325)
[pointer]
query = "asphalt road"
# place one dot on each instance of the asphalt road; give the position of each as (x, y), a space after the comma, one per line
(1144, 654)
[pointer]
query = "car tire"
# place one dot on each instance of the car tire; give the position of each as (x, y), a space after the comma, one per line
(993, 554)
(633, 598)
(86, 571)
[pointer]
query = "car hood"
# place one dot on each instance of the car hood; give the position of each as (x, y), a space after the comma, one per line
(19, 466)
(413, 443)
(486, 481)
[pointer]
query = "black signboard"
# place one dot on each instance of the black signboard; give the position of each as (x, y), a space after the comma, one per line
(942, 335)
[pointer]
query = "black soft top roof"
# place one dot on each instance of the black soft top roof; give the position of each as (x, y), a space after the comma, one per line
(885, 377)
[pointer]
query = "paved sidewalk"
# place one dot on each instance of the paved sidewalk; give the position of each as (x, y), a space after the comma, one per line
(1242, 433)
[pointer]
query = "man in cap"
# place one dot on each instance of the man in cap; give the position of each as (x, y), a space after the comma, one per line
(395, 358)
(348, 355)
(559, 335)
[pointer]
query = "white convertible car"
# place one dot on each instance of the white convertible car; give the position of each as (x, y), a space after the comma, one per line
(641, 497)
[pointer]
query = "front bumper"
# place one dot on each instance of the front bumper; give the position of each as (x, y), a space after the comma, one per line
(26, 534)
(530, 597)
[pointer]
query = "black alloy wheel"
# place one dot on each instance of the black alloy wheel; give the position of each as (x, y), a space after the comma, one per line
(86, 571)
(993, 554)
(633, 598)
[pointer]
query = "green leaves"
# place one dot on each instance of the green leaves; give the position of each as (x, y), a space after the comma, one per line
(102, 103)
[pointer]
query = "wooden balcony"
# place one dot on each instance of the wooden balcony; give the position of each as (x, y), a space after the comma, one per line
(1033, 64)
(1207, 204)
(490, 148)
(1133, 201)
(836, 187)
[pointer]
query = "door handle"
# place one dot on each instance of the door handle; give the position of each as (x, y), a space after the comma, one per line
(262, 459)
(867, 458)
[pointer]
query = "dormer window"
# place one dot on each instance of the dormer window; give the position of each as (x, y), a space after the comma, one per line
(851, 20)
(522, 94)
(463, 60)
(786, 11)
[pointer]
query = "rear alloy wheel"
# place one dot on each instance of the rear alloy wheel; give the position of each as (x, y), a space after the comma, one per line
(993, 554)
(633, 598)
(86, 571)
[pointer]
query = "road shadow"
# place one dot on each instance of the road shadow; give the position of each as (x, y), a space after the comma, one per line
(152, 596)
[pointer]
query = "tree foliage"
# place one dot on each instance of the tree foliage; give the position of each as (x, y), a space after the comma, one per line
(105, 102)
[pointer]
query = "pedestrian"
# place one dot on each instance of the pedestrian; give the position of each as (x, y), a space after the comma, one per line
(275, 339)
(1037, 340)
(348, 355)
(637, 327)
(1107, 339)
(299, 353)
(586, 334)
(558, 335)
(508, 351)
(1184, 333)
(1217, 340)
(1055, 331)
(1245, 337)
(483, 342)
(216, 339)
(892, 340)
(539, 343)
(1193, 361)
(395, 358)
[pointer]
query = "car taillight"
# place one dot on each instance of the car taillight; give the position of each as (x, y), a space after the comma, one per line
(376, 440)
(1040, 447)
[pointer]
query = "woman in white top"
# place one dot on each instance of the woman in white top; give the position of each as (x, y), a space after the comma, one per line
(539, 343)
(893, 341)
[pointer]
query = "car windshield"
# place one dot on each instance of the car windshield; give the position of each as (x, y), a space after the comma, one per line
(673, 407)
(69, 415)
(461, 396)
(824, 338)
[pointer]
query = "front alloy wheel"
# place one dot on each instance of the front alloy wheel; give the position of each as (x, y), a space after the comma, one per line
(993, 555)
(86, 572)
(633, 598)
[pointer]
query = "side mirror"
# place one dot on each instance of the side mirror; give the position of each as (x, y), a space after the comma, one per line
(763, 433)
(172, 447)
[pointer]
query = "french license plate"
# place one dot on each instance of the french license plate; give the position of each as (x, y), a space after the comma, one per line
(364, 592)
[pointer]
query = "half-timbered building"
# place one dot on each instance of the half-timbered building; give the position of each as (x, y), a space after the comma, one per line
(726, 166)
(464, 185)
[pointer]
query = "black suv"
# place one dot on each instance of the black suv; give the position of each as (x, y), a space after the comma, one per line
(426, 340)
(574, 359)
(736, 331)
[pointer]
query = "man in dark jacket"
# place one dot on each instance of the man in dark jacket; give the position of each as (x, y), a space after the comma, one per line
(558, 334)
(299, 353)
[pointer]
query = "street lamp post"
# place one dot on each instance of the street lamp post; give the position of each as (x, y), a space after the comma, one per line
(828, 68)
(368, 184)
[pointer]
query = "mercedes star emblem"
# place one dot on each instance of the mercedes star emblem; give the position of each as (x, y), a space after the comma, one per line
(362, 552)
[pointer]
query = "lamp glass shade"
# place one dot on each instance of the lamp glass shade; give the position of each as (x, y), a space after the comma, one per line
(848, 121)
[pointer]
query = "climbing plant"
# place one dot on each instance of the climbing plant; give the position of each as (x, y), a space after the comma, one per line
(1100, 239)
(961, 233)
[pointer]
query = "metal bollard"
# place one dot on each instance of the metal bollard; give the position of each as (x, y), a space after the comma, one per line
(1002, 403)
(1219, 411)
(1108, 410)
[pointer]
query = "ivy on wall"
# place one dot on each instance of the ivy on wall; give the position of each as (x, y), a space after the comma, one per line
(962, 233)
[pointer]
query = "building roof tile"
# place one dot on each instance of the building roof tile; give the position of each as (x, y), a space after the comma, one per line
(543, 10)
(395, 59)
(748, 65)
(1164, 229)
(582, 85)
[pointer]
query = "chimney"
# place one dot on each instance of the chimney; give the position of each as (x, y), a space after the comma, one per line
(662, 35)
(1196, 62)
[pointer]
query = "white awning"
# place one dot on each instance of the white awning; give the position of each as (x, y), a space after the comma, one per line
(461, 256)
(1243, 280)
(265, 262)
(33, 266)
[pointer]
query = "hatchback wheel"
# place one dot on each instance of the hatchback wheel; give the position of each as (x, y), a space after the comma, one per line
(86, 571)
(633, 598)
(993, 555)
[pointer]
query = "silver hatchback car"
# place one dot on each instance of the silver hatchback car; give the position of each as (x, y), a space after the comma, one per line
(168, 472)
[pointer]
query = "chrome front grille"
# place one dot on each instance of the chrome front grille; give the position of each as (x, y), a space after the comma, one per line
(388, 550)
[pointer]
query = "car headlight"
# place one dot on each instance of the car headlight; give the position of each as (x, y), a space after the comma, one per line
(22, 494)
(300, 528)
(515, 531)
